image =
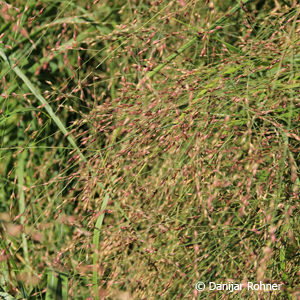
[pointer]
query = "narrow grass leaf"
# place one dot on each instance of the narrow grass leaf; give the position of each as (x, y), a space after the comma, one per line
(20, 175)
(52, 282)
(96, 239)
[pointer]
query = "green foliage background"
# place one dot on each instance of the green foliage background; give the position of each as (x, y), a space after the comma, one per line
(123, 180)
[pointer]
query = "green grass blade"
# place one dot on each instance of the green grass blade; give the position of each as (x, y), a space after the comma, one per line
(52, 283)
(96, 239)
(229, 46)
(48, 108)
(20, 175)
(64, 287)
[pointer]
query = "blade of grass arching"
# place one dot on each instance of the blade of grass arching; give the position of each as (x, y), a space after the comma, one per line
(20, 176)
(60, 125)
(193, 40)
(96, 239)
(48, 108)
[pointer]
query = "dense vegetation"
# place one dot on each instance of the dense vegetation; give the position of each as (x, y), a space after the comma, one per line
(148, 145)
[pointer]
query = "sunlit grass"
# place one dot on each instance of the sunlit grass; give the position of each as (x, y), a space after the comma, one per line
(146, 146)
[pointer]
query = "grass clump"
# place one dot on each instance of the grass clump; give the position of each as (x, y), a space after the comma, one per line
(167, 167)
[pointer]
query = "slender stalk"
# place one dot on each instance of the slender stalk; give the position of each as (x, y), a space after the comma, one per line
(20, 175)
